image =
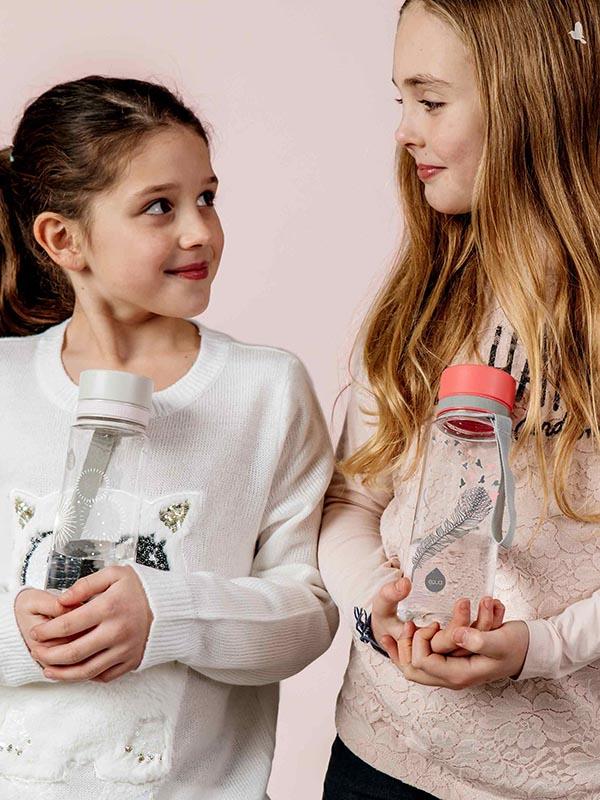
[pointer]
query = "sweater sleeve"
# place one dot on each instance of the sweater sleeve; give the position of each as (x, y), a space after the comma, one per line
(351, 555)
(265, 627)
(17, 666)
(565, 643)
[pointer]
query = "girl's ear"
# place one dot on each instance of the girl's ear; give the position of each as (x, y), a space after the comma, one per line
(61, 239)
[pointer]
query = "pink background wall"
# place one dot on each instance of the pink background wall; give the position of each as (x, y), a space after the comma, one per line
(301, 102)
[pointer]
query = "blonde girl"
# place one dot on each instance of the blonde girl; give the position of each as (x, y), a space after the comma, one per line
(498, 168)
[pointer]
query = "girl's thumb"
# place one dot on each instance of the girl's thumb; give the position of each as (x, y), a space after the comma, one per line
(388, 597)
(488, 643)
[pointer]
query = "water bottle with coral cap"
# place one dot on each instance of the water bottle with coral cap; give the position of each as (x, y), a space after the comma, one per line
(465, 509)
(98, 511)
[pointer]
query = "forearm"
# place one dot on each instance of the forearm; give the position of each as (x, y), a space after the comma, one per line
(251, 630)
(17, 667)
(564, 643)
(352, 559)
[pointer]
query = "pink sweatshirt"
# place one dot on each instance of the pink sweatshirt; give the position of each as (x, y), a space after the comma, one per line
(537, 737)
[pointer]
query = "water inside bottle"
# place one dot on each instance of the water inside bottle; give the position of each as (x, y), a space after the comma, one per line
(466, 569)
(82, 557)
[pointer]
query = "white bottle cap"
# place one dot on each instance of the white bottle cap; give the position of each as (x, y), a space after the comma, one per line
(106, 394)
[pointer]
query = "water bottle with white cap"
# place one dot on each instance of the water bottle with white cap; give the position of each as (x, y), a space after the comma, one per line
(98, 513)
(465, 509)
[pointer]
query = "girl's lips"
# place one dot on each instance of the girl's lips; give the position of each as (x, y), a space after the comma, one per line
(192, 272)
(425, 172)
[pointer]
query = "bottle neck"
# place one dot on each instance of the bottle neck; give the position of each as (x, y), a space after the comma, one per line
(114, 425)
(470, 417)
(112, 413)
(470, 402)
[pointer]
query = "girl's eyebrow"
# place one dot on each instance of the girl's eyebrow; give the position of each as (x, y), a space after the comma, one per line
(164, 187)
(423, 80)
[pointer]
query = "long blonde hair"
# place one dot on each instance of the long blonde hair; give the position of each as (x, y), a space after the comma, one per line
(536, 201)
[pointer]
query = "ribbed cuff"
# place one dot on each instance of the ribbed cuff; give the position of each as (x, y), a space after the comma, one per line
(545, 651)
(171, 603)
(18, 666)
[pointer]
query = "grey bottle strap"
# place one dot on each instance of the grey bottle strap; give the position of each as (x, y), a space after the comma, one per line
(506, 491)
(94, 470)
(90, 479)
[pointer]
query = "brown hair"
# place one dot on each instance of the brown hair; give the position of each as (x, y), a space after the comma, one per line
(71, 143)
(536, 195)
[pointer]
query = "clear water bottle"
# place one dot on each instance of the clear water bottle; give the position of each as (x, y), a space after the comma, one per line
(98, 513)
(466, 486)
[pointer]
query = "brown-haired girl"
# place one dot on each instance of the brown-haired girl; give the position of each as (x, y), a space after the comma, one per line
(498, 165)
(156, 680)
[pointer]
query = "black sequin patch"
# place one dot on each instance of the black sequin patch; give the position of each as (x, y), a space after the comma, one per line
(151, 553)
(32, 548)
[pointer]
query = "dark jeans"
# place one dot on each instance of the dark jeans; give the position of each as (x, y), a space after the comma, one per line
(349, 778)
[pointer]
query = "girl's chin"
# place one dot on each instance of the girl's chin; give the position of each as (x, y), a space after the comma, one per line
(195, 309)
(450, 208)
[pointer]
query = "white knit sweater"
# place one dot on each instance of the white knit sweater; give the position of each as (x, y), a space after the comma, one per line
(239, 460)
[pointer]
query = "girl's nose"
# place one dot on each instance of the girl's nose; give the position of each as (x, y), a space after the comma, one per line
(407, 133)
(196, 230)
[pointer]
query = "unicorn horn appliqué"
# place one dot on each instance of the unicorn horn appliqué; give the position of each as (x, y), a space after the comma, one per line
(577, 34)
(472, 508)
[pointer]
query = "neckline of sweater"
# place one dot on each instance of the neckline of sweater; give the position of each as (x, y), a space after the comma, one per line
(61, 390)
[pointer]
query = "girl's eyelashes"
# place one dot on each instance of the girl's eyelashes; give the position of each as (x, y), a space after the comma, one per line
(208, 197)
(429, 104)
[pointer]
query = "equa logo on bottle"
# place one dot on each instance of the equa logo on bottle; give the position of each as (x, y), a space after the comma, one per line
(435, 581)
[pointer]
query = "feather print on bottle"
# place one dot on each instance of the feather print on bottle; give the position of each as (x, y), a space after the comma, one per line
(472, 508)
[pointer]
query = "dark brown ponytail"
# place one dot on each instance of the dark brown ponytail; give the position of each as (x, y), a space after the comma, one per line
(70, 144)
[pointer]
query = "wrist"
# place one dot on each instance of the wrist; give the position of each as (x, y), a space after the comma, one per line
(521, 649)
(365, 631)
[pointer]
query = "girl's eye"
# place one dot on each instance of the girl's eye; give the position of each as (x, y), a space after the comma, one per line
(160, 202)
(430, 105)
(209, 198)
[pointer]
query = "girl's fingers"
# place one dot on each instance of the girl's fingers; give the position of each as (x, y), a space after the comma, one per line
(423, 678)
(86, 588)
(485, 616)
(391, 648)
(73, 622)
(75, 652)
(498, 616)
(404, 644)
(443, 642)
(37, 601)
(113, 672)
(448, 672)
(87, 670)
(492, 644)
(421, 647)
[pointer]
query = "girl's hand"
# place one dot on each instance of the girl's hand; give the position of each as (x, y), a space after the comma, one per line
(388, 630)
(500, 654)
(490, 616)
(111, 619)
(33, 606)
